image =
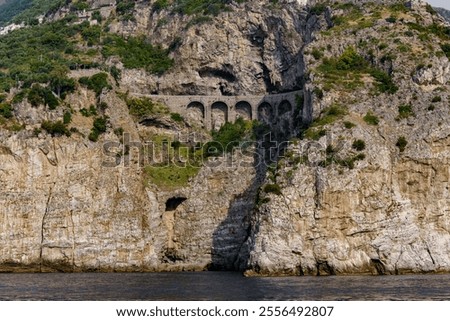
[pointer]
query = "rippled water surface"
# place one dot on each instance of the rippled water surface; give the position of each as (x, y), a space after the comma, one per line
(219, 286)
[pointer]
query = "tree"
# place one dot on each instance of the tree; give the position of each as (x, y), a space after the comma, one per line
(59, 78)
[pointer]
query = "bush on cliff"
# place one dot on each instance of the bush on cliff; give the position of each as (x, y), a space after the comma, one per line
(229, 136)
(273, 189)
(57, 128)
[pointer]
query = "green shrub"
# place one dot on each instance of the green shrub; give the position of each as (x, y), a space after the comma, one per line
(318, 92)
(391, 19)
(330, 150)
(349, 125)
(141, 107)
(430, 9)
(160, 5)
(385, 83)
(100, 124)
(176, 144)
(115, 73)
(39, 95)
(119, 132)
(441, 31)
(177, 117)
(314, 133)
(138, 53)
(93, 136)
(317, 54)
(359, 145)
(349, 162)
(88, 113)
(346, 71)
(96, 15)
(35, 55)
(330, 115)
(405, 111)
(6, 110)
(67, 118)
(99, 127)
(359, 157)
(273, 189)
(401, 143)
(60, 84)
(382, 46)
(371, 119)
(398, 7)
(20, 96)
(229, 136)
(55, 128)
(170, 176)
(318, 9)
(96, 83)
(102, 105)
(124, 7)
(436, 99)
(201, 7)
(79, 6)
(446, 49)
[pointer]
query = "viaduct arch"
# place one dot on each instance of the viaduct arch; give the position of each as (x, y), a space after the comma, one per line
(211, 112)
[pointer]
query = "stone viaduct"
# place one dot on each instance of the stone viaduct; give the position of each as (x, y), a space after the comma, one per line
(212, 112)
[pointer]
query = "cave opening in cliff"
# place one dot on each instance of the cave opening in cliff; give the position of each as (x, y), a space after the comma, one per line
(173, 203)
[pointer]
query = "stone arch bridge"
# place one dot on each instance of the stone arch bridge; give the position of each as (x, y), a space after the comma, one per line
(211, 112)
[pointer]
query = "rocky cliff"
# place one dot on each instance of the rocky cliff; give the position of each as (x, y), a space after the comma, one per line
(366, 189)
(361, 186)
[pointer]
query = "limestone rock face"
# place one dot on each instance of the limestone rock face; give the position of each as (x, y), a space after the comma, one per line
(388, 215)
(65, 207)
(254, 49)
(384, 213)
(355, 194)
(436, 73)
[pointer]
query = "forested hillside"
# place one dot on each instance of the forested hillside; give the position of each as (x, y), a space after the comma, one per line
(25, 10)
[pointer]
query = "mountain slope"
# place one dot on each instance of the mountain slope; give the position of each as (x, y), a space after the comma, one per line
(26, 10)
(99, 174)
(444, 13)
(364, 189)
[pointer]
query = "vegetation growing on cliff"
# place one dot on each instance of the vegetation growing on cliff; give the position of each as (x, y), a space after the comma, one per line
(56, 128)
(26, 10)
(96, 83)
(401, 143)
(272, 189)
(137, 53)
(200, 10)
(99, 127)
(228, 137)
(328, 116)
(193, 7)
(46, 53)
(347, 70)
(141, 107)
(170, 176)
(333, 157)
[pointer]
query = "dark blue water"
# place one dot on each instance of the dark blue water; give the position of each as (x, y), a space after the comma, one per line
(219, 286)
